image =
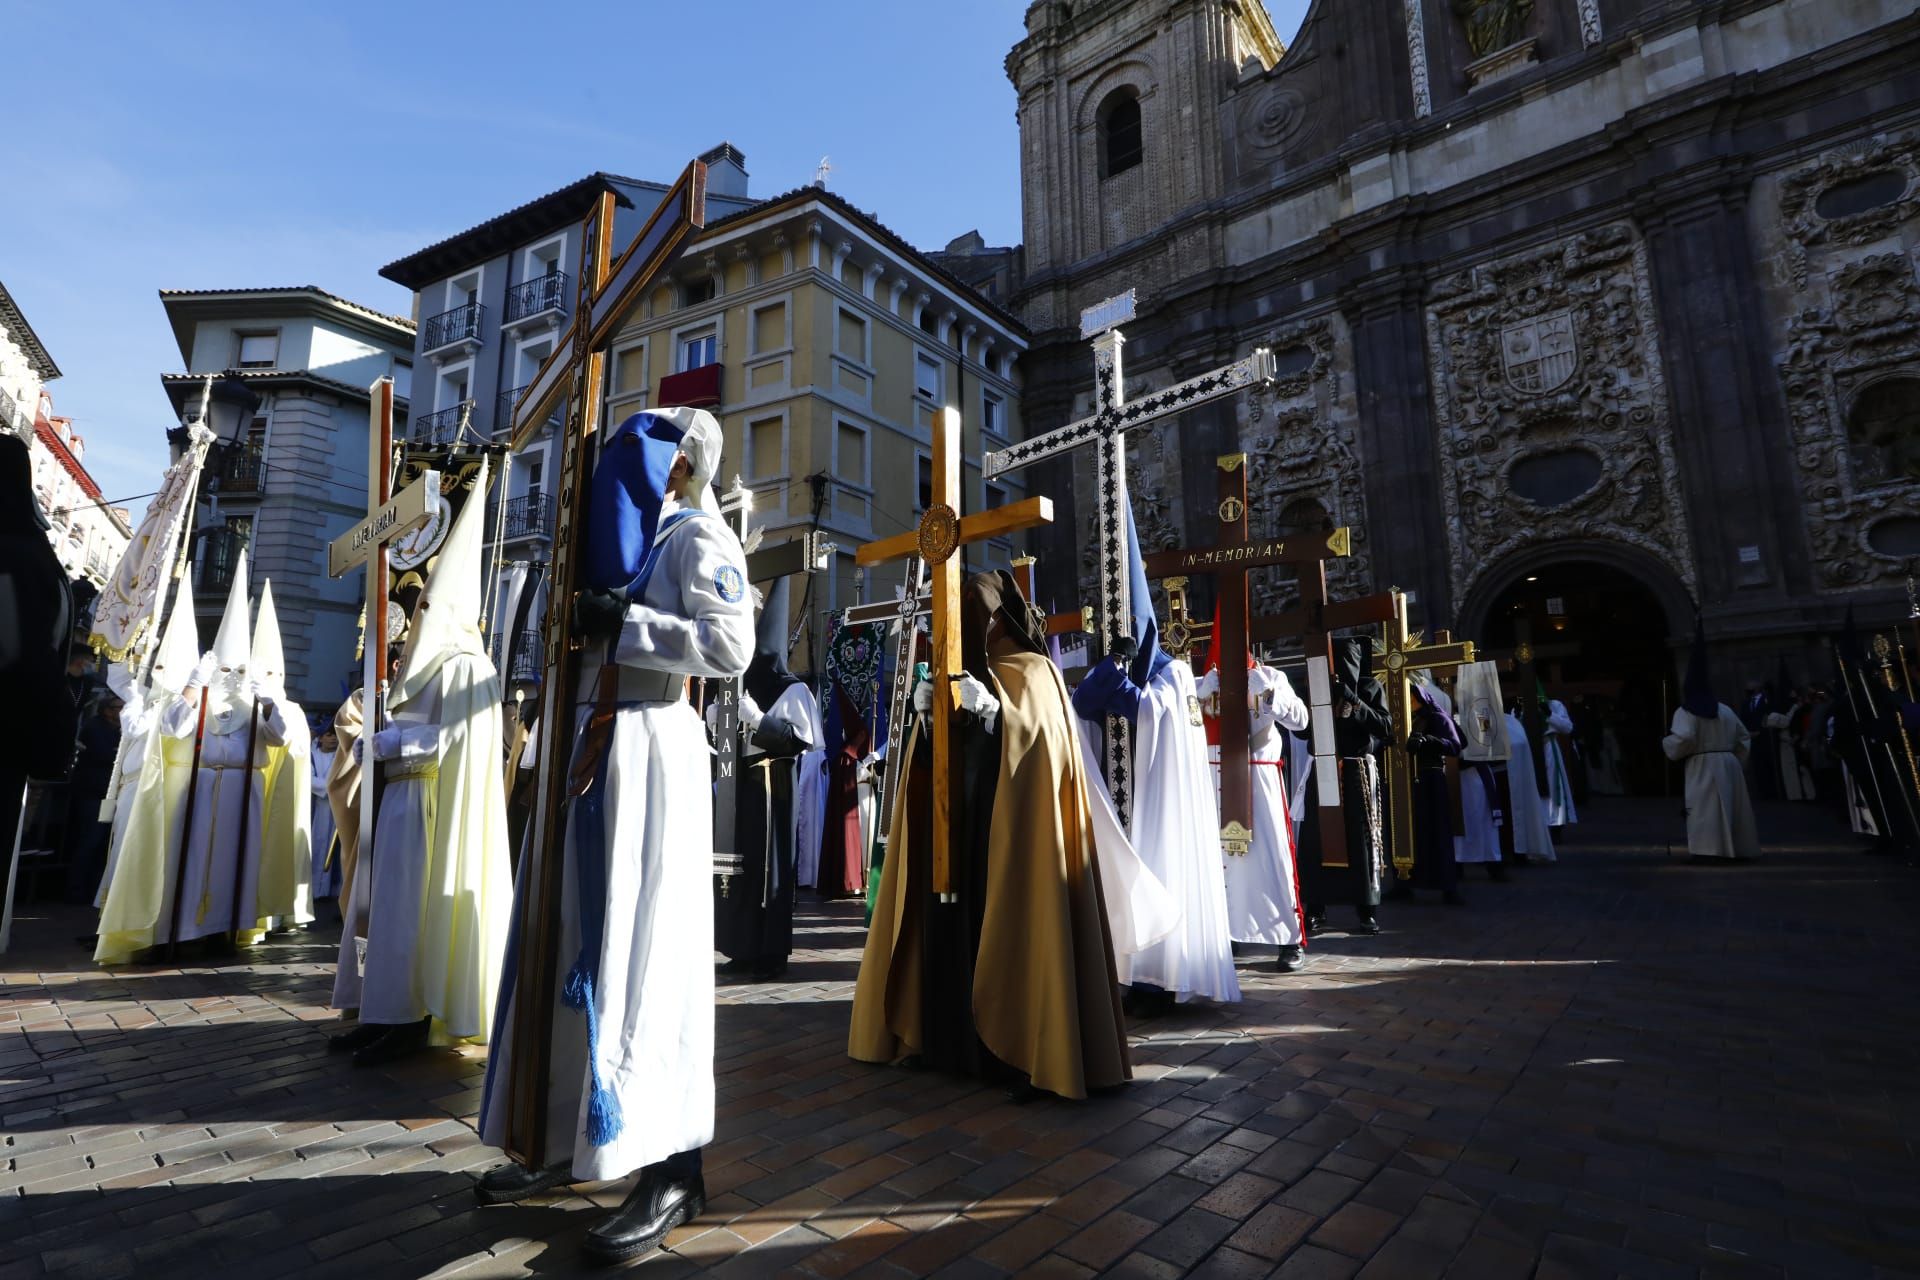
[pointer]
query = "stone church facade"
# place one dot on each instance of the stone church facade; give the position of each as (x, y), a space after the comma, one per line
(1624, 282)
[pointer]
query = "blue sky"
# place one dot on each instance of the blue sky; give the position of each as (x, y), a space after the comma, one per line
(225, 144)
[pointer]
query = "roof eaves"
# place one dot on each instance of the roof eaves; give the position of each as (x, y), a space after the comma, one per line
(22, 332)
(406, 271)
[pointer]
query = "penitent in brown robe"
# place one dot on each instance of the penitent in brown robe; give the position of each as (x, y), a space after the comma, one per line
(1027, 946)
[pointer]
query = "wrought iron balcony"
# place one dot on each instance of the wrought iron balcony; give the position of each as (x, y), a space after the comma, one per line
(442, 428)
(503, 412)
(241, 471)
(541, 296)
(529, 516)
(219, 557)
(462, 324)
(523, 658)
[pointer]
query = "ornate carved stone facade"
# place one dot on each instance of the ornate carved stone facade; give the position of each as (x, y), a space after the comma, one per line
(1550, 405)
(1849, 356)
(1304, 461)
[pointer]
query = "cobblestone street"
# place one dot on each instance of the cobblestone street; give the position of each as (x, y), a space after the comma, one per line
(1620, 1065)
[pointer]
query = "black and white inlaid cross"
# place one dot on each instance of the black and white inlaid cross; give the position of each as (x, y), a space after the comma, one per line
(1106, 432)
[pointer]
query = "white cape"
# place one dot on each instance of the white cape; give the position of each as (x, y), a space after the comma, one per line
(1529, 817)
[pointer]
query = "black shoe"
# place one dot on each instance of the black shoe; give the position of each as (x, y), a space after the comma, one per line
(733, 966)
(657, 1204)
(1315, 924)
(400, 1042)
(512, 1183)
(768, 970)
(358, 1038)
(1290, 960)
(1367, 925)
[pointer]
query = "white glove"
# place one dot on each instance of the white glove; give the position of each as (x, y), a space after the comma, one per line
(712, 715)
(750, 713)
(1208, 684)
(203, 672)
(260, 693)
(974, 697)
(923, 697)
(386, 743)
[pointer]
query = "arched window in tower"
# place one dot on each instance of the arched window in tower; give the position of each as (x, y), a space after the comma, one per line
(1121, 142)
(1305, 515)
(1883, 431)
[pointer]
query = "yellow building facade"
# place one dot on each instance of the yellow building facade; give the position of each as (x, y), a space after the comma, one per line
(825, 345)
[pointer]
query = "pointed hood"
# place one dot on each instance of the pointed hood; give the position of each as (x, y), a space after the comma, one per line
(179, 646)
(232, 644)
(1696, 695)
(1148, 658)
(447, 620)
(629, 488)
(767, 675)
(268, 660)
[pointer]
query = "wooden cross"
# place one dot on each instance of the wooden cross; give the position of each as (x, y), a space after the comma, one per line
(1405, 654)
(1521, 661)
(575, 372)
(1106, 432)
(804, 554)
(389, 517)
(937, 541)
(1315, 620)
(1183, 632)
(1227, 562)
(1057, 624)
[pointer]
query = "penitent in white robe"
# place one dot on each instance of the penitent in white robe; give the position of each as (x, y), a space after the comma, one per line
(1263, 888)
(221, 858)
(1176, 832)
(1720, 820)
(1560, 811)
(136, 735)
(326, 878)
(1531, 838)
(1480, 838)
(653, 1001)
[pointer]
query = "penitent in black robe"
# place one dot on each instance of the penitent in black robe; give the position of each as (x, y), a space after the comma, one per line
(1358, 736)
(753, 914)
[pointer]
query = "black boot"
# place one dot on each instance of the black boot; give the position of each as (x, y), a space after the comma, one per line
(658, 1203)
(401, 1041)
(511, 1183)
(1368, 925)
(356, 1039)
(1291, 960)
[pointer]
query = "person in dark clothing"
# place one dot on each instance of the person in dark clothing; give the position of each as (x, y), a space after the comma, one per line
(1360, 729)
(1431, 739)
(35, 626)
(85, 847)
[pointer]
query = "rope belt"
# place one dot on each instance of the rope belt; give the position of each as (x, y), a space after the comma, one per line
(420, 769)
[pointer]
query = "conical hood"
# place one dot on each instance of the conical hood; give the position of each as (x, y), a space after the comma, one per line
(767, 675)
(232, 644)
(1696, 695)
(268, 661)
(447, 619)
(1148, 657)
(179, 646)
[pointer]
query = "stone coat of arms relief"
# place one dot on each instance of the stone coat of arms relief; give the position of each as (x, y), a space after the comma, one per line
(1551, 405)
(1849, 357)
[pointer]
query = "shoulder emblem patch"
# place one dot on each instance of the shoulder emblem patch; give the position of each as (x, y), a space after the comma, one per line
(730, 583)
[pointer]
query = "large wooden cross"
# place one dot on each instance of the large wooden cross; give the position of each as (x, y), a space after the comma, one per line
(1227, 561)
(1314, 621)
(369, 542)
(1405, 654)
(1106, 433)
(937, 541)
(607, 290)
(804, 554)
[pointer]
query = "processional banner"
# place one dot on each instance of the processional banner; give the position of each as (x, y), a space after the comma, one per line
(124, 624)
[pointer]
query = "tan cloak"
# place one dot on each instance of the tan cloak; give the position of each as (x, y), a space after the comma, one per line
(343, 794)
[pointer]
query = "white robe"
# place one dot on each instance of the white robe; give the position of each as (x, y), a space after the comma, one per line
(810, 796)
(653, 1001)
(1720, 820)
(219, 854)
(1796, 782)
(1263, 888)
(1480, 841)
(326, 881)
(136, 735)
(1176, 832)
(1529, 817)
(1560, 812)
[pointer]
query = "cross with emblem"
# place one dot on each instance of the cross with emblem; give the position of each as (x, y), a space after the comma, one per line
(1183, 632)
(574, 374)
(1105, 432)
(1228, 561)
(937, 541)
(1403, 654)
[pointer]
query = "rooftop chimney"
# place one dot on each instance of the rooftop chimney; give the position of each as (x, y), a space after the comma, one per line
(726, 171)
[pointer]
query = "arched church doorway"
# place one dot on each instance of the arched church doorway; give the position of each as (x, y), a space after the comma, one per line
(1602, 640)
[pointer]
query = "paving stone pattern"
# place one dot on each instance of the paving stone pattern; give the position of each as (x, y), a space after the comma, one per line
(1621, 1065)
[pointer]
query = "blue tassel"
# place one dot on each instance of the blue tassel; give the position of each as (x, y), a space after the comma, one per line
(604, 1121)
(578, 992)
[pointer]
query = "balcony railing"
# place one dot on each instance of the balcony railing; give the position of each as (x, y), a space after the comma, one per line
(528, 516)
(503, 412)
(523, 657)
(442, 428)
(219, 556)
(462, 324)
(242, 471)
(537, 297)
